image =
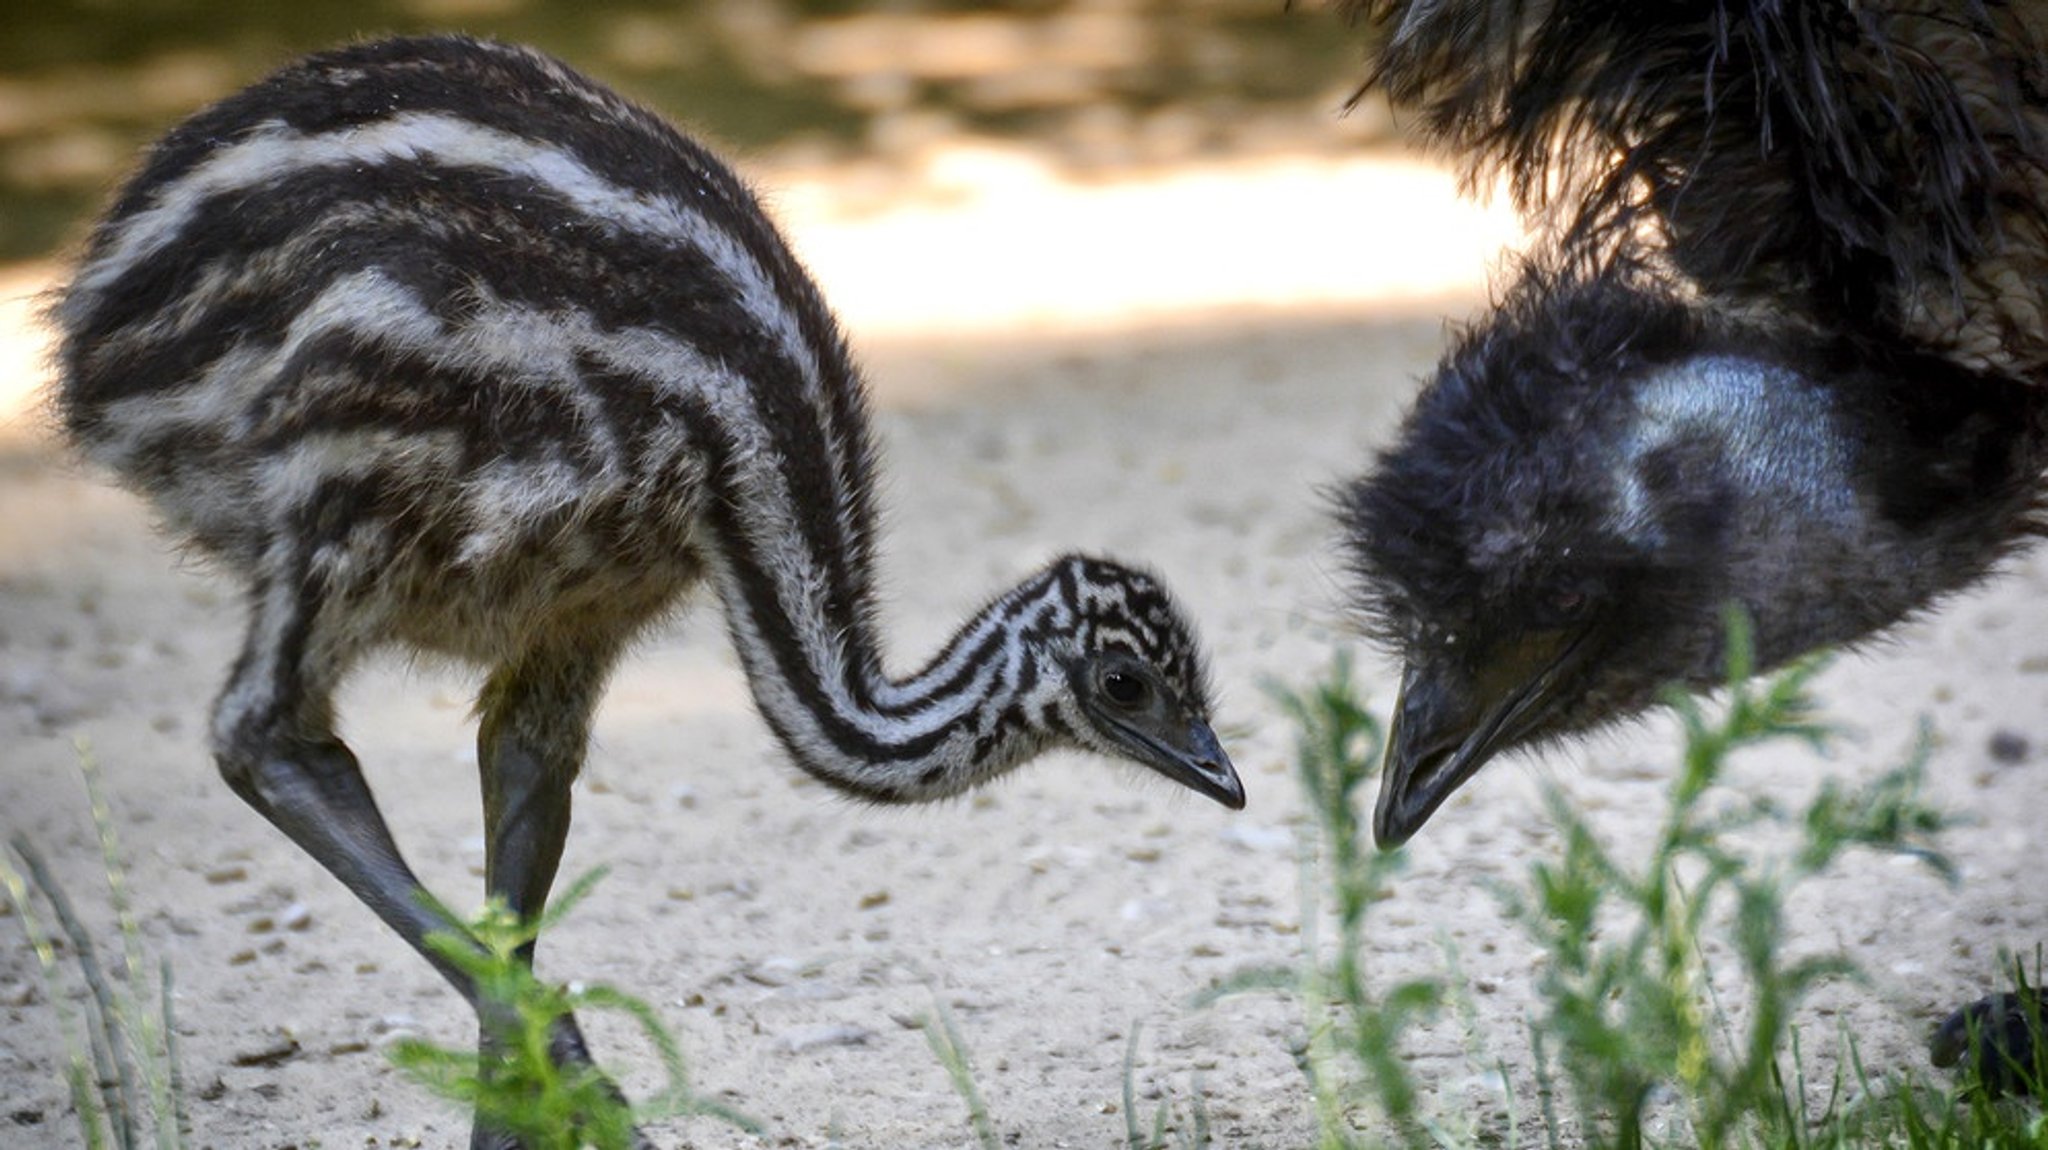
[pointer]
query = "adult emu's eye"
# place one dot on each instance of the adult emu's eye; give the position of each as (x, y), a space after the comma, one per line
(1564, 609)
(1124, 689)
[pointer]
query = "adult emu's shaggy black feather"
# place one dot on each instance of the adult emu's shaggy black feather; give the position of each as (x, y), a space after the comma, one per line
(1784, 344)
(1875, 167)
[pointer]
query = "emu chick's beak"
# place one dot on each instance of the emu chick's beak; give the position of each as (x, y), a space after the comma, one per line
(1192, 757)
(1453, 716)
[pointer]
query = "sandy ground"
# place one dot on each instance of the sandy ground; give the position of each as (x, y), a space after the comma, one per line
(1178, 399)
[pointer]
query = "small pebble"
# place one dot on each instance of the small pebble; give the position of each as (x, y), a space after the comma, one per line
(772, 972)
(804, 1038)
(280, 1049)
(1253, 837)
(394, 1022)
(2008, 747)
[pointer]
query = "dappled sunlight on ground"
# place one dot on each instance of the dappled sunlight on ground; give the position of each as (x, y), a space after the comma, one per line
(24, 346)
(996, 240)
(1000, 240)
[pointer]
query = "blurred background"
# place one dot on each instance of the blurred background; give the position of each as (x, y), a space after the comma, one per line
(944, 167)
(1098, 85)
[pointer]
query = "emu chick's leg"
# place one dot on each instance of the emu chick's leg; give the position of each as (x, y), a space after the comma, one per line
(275, 746)
(309, 786)
(530, 746)
(2001, 1040)
(274, 742)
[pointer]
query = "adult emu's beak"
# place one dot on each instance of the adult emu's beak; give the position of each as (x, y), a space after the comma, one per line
(1454, 715)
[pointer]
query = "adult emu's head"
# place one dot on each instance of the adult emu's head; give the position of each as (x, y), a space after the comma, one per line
(1599, 470)
(1782, 349)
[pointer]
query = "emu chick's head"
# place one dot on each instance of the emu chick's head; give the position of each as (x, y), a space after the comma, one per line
(1598, 473)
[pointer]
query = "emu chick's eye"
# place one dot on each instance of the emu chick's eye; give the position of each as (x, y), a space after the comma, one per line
(1123, 688)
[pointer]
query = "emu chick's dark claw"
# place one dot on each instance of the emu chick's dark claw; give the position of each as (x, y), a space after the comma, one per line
(2000, 1040)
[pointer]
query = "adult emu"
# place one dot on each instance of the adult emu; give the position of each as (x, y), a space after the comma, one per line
(1784, 344)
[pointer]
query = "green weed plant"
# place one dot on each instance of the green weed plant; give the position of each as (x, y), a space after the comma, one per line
(520, 1088)
(1626, 1011)
(120, 1062)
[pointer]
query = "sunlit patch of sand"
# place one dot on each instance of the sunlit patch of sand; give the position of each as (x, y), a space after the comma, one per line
(998, 241)
(1001, 240)
(24, 347)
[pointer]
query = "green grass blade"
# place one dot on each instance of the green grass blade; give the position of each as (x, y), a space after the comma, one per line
(114, 1075)
(951, 1051)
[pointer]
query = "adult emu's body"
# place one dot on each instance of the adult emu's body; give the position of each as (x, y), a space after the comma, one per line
(1785, 345)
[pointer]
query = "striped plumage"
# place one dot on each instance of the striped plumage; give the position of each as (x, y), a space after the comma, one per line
(437, 343)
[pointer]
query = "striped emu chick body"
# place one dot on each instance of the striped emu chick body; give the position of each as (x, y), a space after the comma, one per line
(439, 345)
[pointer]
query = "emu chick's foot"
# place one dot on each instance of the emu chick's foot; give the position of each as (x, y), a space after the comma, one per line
(2001, 1040)
(483, 1139)
(567, 1050)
